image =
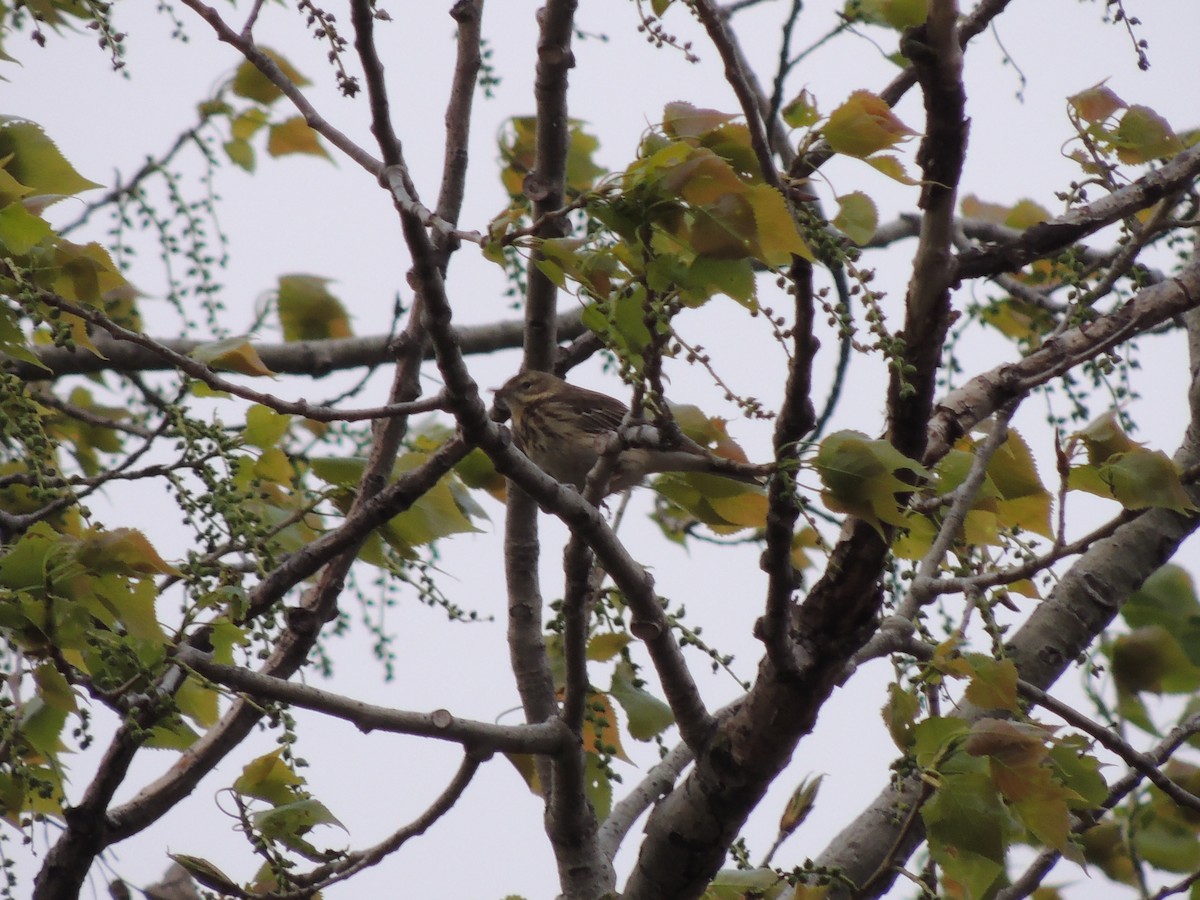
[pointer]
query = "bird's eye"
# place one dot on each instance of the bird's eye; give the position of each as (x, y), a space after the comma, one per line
(527, 383)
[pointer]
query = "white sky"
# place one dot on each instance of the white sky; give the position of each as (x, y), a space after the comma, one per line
(305, 215)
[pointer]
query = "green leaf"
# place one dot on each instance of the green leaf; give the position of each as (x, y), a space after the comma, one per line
(11, 190)
(40, 725)
(54, 689)
(240, 153)
(900, 715)
(968, 830)
(21, 230)
(1143, 136)
(597, 785)
(1151, 659)
(1024, 501)
(856, 217)
(287, 821)
(175, 735)
(265, 427)
(801, 111)
(248, 123)
(732, 277)
(1105, 846)
(1145, 478)
(935, 738)
(518, 151)
(443, 510)
(224, 635)
(647, 714)
(581, 171)
(994, 684)
(621, 322)
(198, 701)
(858, 474)
(1168, 599)
(740, 884)
(269, 778)
(134, 607)
(1079, 771)
(1168, 845)
(84, 273)
(34, 161)
(723, 504)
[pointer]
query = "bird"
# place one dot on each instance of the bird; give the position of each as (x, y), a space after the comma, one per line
(564, 429)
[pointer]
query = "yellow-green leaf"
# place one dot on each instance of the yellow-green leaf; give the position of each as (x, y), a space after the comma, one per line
(859, 477)
(269, 778)
(776, 238)
(857, 217)
(241, 154)
(801, 111)
(234, 354)
(800, 804)
(265, 427)
(32, 159)
(207, 874)
(603, 647)
(251, 83)
(897, 14)
(21, 230)
(900, 715)
(124, 550)
(1145, 478)
(294, 136)
(683, 120)
(1143, 136)
(891, 167)
(1096, 103)
(1150, 659)
(863, 125)
(647, 714)
(994, 684)
(308, 311)
(198, 701)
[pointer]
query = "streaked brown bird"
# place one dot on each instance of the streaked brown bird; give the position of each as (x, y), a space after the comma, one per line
(563, 428)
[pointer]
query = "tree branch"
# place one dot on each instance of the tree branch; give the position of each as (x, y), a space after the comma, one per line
(245, 45)
(1111, 741)
(962, 408)
(481, 738)
(1059, 630)
(1058, 234)
(937, 60)
(313, 358)
(364, 859)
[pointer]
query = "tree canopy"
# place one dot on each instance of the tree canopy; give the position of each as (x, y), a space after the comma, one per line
(281, 599)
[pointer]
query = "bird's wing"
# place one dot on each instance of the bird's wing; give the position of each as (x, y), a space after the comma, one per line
(599, 413)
